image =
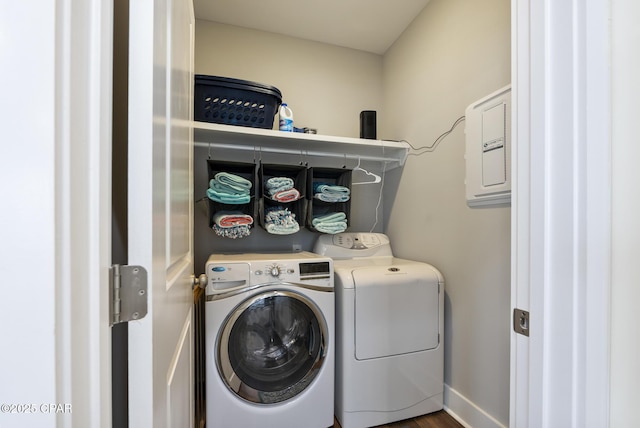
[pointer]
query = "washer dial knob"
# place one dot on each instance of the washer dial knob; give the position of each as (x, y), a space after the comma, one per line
(275, 271)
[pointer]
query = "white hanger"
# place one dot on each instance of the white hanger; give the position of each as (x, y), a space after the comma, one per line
(376, 177)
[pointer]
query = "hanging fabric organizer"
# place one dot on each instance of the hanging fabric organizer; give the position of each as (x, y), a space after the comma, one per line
(329, 191)
(295, 206)
(282, 206)
(231, 195)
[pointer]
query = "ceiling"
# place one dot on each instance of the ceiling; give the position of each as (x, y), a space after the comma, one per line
(367, 25)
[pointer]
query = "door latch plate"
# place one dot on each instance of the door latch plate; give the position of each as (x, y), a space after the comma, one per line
(521, 321)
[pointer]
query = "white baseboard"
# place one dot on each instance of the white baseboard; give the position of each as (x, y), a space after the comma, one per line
(466, 412)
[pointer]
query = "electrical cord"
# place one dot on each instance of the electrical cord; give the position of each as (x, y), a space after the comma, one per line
(427, 149)
(434, 145)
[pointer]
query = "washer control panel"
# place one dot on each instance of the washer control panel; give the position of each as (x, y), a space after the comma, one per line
(224, 275)
(350, 245)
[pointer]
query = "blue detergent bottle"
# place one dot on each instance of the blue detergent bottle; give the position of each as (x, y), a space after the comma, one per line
(286, 118)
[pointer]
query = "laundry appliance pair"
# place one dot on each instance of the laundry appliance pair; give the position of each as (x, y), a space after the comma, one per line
(281, 327)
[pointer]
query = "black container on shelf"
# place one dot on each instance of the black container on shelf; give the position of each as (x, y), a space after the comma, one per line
(331, 176)
(244, 170)
(235, 102)
(299, 176)
(368, 126)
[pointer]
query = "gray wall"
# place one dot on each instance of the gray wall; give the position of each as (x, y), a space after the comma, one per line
(625, 293)
(454, 53)
(326, 86)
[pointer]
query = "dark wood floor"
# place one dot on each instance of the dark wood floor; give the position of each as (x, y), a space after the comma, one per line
(439, 419)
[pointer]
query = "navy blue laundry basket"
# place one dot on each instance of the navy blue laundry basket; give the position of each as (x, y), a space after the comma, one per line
(235, 102)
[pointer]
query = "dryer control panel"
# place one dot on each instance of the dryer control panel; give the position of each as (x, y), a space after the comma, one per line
(351, 245)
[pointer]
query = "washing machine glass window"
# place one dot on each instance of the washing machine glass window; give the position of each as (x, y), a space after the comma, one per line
(272, 346)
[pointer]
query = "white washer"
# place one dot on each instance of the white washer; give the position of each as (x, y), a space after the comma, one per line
(269, 340)
(389, 331)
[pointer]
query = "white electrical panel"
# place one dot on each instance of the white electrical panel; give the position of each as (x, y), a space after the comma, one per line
(488, 149)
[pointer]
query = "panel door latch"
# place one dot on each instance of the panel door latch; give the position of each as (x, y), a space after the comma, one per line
(521, 321)
(128, 290)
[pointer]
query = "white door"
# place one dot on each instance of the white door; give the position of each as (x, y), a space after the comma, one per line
(561, 213)
(160, 207)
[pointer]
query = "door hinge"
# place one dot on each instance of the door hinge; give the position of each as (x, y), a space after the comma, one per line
(128, 291)
(200, 281)
(521, 321)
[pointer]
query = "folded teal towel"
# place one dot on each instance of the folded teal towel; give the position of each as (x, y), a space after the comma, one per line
(234, 181)
(330, 223)
(331, 198)
(229, 189)
(278, 184)
(330, 188)
(332, 228)
(329, 218)
(281, 229)
(330, 193)
(224, 188)
(228, 198)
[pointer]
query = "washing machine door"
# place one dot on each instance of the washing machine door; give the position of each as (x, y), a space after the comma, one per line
(272, 346)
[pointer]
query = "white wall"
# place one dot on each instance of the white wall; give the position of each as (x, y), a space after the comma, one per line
(625, 293)
(28, 312)
(56, 163)
(454, 53)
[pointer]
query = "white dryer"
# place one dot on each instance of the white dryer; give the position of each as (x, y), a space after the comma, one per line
(389, 331)
(269, 340)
